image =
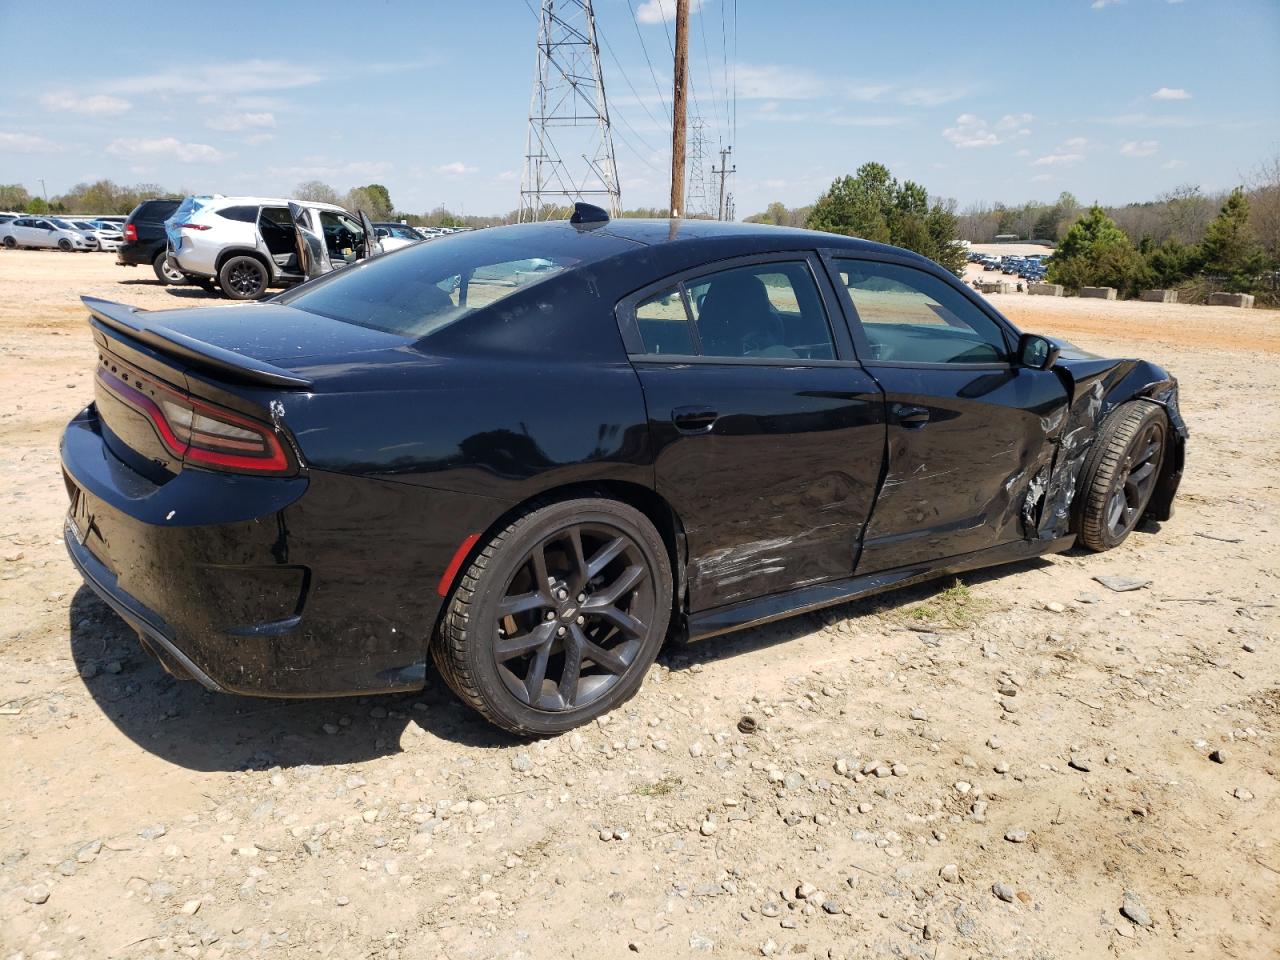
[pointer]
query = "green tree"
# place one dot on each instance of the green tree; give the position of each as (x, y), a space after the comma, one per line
(1097, 253)
(37, 205)
(374, 199)
(875, 206)
(1230, 247)
(13, 196)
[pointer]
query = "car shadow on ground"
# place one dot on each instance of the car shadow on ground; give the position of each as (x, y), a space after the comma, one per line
(193, 293)
(180, 721)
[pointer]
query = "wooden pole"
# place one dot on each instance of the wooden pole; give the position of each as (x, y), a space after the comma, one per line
(678, 107)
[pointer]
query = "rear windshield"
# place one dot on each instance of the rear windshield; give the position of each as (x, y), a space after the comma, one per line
(425, 287)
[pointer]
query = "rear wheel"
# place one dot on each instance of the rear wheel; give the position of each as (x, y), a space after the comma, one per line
(1121, 473)
(10, 243)
(243, 278)
(165, 269)
(558, 617)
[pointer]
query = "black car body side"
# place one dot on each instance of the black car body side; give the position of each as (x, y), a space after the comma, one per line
(408, 453)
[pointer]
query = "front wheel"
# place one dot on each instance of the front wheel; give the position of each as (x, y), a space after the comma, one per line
(1120, 473)
(64, 245)
(558, 617)
(243, 278)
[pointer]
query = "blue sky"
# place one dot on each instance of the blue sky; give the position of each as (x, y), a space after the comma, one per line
(1114, 100)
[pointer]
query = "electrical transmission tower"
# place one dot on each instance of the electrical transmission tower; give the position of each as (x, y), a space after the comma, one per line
(569, 148)
(695, 197)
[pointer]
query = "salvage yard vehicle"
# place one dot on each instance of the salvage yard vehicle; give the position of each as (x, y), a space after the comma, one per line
(43, 232)
(247, 244)
(145, 242)
(686, 424)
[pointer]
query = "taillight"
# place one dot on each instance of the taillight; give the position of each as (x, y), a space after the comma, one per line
(200, 433)
(193, 226)
(130, 232)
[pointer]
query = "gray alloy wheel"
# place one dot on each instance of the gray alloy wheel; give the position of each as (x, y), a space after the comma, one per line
(64, 245)
(243, 278)
(1121, 473)
(10, 243)
(166, 270)
(559, 616)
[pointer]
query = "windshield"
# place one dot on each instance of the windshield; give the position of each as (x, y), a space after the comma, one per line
(62, 225)
(424, 287)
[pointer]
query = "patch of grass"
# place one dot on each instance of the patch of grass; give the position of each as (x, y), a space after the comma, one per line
(956, 607)
(659, 788)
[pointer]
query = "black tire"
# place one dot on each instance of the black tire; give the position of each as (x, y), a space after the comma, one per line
(243, 278)
(64, 245)
(10, 243)
(1120, 473)
(611, 536)
(165, 269)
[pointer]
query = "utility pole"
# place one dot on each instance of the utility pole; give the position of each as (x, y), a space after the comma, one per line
(724, 171)
(568, 118)
(678, 98)
(44, 191)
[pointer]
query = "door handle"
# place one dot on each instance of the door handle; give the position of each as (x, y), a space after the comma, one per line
(694, 419)
(911, 417)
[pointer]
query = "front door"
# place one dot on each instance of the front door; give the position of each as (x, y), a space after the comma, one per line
(768, 436)
(971, 433)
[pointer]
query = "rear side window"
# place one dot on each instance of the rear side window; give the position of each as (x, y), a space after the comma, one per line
(157, 210)
(664, 325)
(770, 311)
(241, 213)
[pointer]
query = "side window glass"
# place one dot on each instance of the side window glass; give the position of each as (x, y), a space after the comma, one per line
(769, 310)
(276, 226)
(664, 325)
(909, 316)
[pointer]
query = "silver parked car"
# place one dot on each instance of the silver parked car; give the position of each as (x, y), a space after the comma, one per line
(43, 232)
(103, 237)
(247, 244)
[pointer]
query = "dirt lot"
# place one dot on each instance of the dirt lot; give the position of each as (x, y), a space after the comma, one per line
(990, 770)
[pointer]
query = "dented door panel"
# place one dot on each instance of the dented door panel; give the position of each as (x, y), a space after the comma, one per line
(975, 474)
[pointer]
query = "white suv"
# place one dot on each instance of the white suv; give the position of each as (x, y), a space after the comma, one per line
(247, 244)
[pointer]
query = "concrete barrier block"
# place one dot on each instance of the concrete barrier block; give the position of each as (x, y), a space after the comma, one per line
(1099, 293)
(1045, 289)
(995, 286)
(1231, 300)
(1160, 296)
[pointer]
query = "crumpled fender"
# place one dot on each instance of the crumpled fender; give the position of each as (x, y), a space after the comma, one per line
(1095, 387)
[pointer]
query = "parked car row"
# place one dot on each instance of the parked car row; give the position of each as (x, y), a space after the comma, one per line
(1030, 268)
(60, 233)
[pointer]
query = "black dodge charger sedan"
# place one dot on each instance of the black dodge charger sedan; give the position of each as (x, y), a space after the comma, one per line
(531, 452)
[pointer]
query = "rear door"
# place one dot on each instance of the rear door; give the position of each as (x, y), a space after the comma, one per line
(971, 433)
(41, 233)
(768, 435)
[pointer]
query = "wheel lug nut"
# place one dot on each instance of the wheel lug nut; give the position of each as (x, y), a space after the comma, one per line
(560, 632)
(581, 620)
(550, 615)
(562, 594)
(582, 598)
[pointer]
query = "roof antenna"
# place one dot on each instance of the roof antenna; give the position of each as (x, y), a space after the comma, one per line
(588, 213)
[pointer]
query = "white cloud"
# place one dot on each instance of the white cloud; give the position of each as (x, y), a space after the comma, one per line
(930, 96)
(1139, 148)
(242, 121)
(255, 139)
(778, 83)
(507, 176)
(96, 105)
(455, 169)
(1102, 4)
(242, 76)
(1057, 159)
(970, 130)
(659, 11)
(27, 143)
(1171, 93)
(168, 148)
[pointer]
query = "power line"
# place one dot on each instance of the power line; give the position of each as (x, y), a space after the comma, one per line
(645, 50)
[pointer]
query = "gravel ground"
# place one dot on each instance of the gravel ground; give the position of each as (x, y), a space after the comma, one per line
(1029, 764)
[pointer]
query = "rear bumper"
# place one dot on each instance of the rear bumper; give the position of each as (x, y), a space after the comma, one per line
(310, 586)
(139, 253)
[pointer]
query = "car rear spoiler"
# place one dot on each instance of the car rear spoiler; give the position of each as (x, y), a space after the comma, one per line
(225, 363)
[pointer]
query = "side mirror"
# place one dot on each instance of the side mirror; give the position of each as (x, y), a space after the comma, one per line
(1037, 352)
